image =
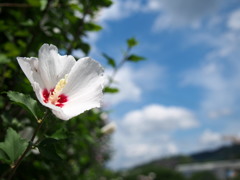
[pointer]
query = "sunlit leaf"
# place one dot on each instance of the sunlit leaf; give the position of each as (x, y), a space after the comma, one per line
(34, 3)
(111, 90)
(43, 4)
(132, 42)
(4, 59)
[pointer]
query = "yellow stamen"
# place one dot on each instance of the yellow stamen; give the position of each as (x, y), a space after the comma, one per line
(58, 89)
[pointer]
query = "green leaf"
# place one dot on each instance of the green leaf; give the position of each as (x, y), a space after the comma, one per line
(22, 33)
(28, 22)
(43, 4)
(92, 27)
(85, 47)
(110, 90)
(12, 49)
(106, 3)
(4, 59)
(48, 150)
(135, 58)
(13, 145)
(110, 60)
(132, 42)
(34, 3)
(27, 103)
(4, 157)
(60, 134)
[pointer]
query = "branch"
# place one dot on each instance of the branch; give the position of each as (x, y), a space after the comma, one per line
(19, 5)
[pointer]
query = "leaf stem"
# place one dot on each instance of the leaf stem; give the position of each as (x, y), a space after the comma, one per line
(124, 59)
(30, 144)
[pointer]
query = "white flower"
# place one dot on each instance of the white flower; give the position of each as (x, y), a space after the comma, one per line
(109, 128)
(68, 87)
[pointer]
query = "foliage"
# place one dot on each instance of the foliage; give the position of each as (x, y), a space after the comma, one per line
(205, 175)
(26, 102)
(75, 149)
(236, 178)
(12, 147)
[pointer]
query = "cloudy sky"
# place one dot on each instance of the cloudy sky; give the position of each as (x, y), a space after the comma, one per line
(185, 97)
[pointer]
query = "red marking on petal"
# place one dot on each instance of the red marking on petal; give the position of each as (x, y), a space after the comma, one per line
(62, 98)
(59, 105)
(51, 91)
(45, 94)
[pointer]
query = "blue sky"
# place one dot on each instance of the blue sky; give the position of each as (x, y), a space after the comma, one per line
(185, 97)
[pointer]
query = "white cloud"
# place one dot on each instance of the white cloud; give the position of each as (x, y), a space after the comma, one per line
(151, 76)
(218, 99)
(183, 13)
(139, 153)
(234, 20)
(136, 149)
(157, 117)
(131, 83)
(152, 5)
(128, 89)
(219, 113)
(120, 9)
(145, 134)
(219, 73)
(211, 138)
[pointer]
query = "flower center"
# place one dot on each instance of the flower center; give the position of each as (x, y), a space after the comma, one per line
(54, 96)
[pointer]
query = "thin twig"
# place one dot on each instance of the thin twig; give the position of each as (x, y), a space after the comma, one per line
(31, 142)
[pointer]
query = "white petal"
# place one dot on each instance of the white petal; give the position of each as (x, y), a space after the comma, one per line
(38, 92)
(89, 100)
(53, 66)
(85, 74)
(31, 70)
(84, 88)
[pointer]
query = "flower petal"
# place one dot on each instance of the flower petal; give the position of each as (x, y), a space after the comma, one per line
(84, 88)
(89, 100)
(85, 75)
(30, 68)
(53, 66)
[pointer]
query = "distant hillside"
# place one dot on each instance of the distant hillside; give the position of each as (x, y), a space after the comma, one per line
(223, 153)
(165, 168)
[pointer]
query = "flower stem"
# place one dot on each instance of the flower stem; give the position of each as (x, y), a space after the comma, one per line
(31, 142)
